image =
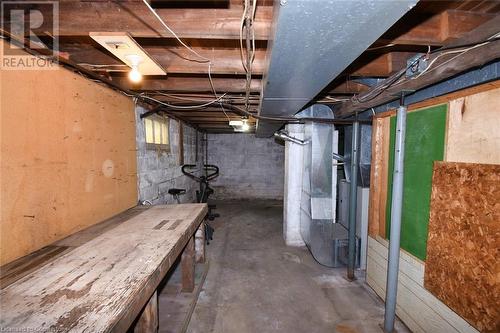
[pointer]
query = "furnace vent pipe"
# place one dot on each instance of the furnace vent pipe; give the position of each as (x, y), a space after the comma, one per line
(338, 157)
(395, 233)
(285, 136)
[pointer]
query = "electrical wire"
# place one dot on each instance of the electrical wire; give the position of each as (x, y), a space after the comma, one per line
(249, 114)
(205, 59)
(104, 67)
(242, 24)
(460, 46)
(398, 78)
(336, 99)
(380, 47)
(215, 93)
(100, 65)
(460, 52)
(247, 22)
(184, 107)
(191, 99)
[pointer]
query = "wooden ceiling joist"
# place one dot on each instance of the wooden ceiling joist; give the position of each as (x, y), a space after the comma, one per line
(78, 18)
(212, 29)
(190, 84)
(433, 30)
(176, 60)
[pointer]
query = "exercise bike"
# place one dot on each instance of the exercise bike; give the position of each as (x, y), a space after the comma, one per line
(209, 173)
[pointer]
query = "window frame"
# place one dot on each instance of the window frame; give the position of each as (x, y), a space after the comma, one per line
(164, 147)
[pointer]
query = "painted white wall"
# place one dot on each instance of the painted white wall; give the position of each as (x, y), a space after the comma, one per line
(293, 187)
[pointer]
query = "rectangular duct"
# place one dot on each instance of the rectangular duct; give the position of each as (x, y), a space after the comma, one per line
(312, 42)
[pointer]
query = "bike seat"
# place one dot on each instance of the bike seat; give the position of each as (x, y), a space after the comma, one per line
(176, 191)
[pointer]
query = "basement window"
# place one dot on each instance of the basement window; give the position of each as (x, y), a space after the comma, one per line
(157, 134)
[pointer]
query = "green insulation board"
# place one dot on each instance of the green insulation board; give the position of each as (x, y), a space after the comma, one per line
(425, 135)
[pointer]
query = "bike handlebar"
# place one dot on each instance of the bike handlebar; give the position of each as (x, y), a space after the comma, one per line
(214, 172)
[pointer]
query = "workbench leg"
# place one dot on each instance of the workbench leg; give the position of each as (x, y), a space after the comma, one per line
(187, 266)
(200, 244)
(148, 321)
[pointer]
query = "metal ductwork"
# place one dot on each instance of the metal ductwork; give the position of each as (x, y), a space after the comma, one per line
(312, 42)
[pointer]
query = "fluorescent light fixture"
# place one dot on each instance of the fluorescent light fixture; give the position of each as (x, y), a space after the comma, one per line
(125, 48)
(245, 127)
(236, 123)
(240, 125)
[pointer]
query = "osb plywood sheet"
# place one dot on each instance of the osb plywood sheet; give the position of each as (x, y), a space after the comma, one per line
(472, 131)
(68, 157)
(463, 247)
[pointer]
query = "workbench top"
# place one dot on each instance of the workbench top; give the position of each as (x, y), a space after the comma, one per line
(103, 282)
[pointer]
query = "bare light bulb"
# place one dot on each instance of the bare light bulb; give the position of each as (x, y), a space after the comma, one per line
(134, 75)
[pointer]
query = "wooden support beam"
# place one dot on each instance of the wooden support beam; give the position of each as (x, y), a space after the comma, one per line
(175, 60)
(187, 266)
(202, 120)
(203, 113)
(79, 18)
(434, 29)
(221, 131)
(348, 87)
(148, 320)
(454, 23)
(190, 84)
(178, 60)
(379, 66)
(224, 60)
(216, 125)
(200, 244)
(443, 66)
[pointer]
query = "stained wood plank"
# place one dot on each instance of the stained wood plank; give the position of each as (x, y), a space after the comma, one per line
(23, 266)
(103, 284)
(80, 17)
(15, 270)
(379, 176)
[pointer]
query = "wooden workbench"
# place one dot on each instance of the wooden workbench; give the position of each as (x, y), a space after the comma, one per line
(103, 279)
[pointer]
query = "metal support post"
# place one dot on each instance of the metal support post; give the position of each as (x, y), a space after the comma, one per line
(395, 232)
(353, 199)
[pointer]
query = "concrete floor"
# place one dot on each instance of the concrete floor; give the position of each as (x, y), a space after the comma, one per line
(257, 284)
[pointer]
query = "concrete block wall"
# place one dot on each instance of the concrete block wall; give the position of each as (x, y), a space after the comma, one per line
(250, 167)
(159, 171)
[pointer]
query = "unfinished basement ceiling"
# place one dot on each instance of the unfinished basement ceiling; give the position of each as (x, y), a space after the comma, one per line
(212, 29)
